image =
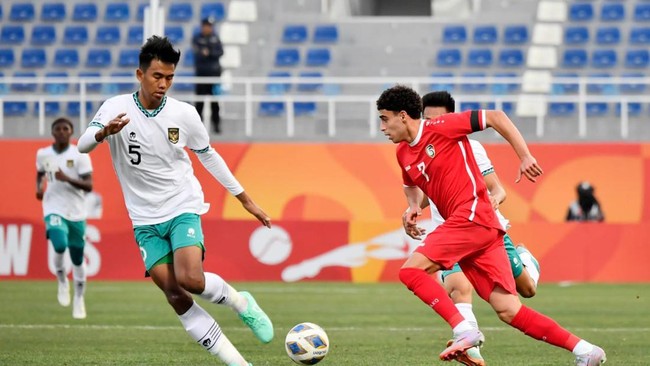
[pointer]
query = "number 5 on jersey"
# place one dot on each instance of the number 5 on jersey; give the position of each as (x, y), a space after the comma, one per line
(135, 153)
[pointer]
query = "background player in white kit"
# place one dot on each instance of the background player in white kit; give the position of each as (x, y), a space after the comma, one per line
(147, 132)
(69, 178)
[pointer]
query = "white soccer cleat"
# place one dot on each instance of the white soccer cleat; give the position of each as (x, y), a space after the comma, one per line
(594, 358)
(79, 308)
(63, 294)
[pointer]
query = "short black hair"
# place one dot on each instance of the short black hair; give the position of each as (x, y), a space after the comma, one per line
(63, 120)
(401, 98)
(439, 99)
(158, 48)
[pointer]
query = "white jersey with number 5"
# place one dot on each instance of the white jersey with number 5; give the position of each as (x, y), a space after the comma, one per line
(62, 198)
(485, 166)
(148, 155)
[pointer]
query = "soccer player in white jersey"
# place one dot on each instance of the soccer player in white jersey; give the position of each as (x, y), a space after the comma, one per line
(147, 132)
(69, 178)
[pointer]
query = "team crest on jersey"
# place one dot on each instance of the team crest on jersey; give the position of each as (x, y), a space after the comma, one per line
(69, 163)
(172, 134)
(430, 151)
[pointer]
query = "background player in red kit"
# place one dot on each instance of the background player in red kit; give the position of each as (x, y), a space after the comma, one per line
(435, 156)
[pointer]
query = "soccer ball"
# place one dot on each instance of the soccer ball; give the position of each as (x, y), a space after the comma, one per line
(307, 344)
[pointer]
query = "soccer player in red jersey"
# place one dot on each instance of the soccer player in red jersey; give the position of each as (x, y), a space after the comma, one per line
(436, 160)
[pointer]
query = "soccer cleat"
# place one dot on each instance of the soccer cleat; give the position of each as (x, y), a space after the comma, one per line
(79, 308)
(256, 319)
(522, 249)
(471, 357)
(461, 343)
(63, 293)
(594, 358)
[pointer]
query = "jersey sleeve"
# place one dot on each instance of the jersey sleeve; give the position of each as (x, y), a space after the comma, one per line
(408, 182)
(40, 165)
(481, 157)
(104, 114)
(198, 139)
(85, 166)
(457, 125)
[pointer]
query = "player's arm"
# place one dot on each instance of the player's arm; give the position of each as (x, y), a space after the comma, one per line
(497, 192)
(85, 182)
(39, 185)
(410, 227)
(97, 133)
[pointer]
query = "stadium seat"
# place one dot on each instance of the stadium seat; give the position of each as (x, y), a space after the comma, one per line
(7, 57)
(1, 14)
(43, 35)
(271, 109)
(287, 57)
(642, 12)
(15, 108)
(278, 88)
(439, 85)
(449, 57)
(33, 57)
(122, 87)
(135, 35)
(234, 33)
(598, 88)
(479, 57)
(76, 34)
(129, 58)
(631, 87)
(74, 108)
(21, 12)
(24, 86)
(612, 11)
(326, 34)
(504, 88)
(559, 88)
(108, 34)
(561, 109)
(485, 34)
(595, 109)
(474, 87)
(581, 11)
(53, 12)
(454, 34)
(511, 58)
(180, 12)
(84, 12)
(242, 11)
(91, 87)
(215, 11)
(633, 108)
(603, 58)
(174, 33)
(637, 58)
(117, 12)
(51, 108)
(506, 107)
(576, 35)
(574, 58)
(310, 87)
(294, 34)
(188, 60)
(640, 35)
(608, 35)
(469, 106)
(318, 57)
(140, 12)
(515, 34)
(66, 57)
(100, 58)
(304, 108)
(184, 87)
(12, 34)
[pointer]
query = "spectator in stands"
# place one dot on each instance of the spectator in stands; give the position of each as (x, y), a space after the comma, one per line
(207, 52)
(586, 207)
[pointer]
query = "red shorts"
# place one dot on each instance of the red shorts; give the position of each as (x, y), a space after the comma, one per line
(479, 251)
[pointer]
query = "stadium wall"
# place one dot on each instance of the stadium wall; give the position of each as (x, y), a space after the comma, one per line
(336, 212)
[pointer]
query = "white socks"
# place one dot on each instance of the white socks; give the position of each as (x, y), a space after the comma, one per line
(206, 332)
(527, 260)
(465, 310)
(582, 348)
(79, 277)
(58, 267)
(219, 292)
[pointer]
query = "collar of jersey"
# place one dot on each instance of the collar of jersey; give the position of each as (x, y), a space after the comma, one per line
(419, 135)
(146, 112)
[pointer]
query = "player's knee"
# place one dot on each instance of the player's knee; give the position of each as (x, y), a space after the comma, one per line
(193, 282)
(408, 276)
(506, 315)
(178, 298)
(527, 291)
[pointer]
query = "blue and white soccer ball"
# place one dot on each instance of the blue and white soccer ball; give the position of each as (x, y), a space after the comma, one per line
(307, 344)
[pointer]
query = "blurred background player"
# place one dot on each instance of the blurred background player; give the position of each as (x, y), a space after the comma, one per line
(69, 178)
(586, 207)
(207, 49)
(147, 132)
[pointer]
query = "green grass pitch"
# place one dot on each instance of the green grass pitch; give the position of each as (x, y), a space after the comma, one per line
(368, 324)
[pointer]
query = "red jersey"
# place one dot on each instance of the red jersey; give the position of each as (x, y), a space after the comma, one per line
(440, 162)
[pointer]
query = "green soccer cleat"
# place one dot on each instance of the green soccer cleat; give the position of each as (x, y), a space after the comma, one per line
(256, 319)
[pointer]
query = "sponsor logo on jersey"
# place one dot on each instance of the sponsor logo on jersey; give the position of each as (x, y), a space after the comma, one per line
(172, 134)
(132, 136)
(69, 163)
(431, 151)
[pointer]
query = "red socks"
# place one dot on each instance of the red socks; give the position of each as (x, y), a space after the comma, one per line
(543, 328)
(430, 291)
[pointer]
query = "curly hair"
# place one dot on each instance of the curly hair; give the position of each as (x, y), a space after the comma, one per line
(439, 99)
(401, 98)
(63, 120)
(158, 48)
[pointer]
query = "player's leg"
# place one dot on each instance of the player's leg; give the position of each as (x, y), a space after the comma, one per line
(57, 232)
(530, 263)
(76, 244)
(525, 284)
(188, 266)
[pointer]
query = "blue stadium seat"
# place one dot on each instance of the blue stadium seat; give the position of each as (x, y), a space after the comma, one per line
(561, 109)
(174, 33)
(318, 57)
(304, 108)
(33, 57)
(633, 108)
(595, 109)
(642, 12)
(3, 87)
(21, 12)
(91, 87)
(507, 107)
(605, 89)
(581, 11)
(561, 88)
(180, 12)
(129, 58)
(612, 11)
(278, 88)
(66, 57)
(287, 57)
(135, 35)
(511, 57)
(469, 106)
(603, 58)
(574, 58)
(504, 88)
(24, 86)
(215, 11)
(15, 108)
(474, 87)
(608, 35)
(98, 58)
(294, 34)
(576, 35)
(74, 108)
(486, 34)
(640, 35)
(1, 12)
(75, 34)
(184, 87)
(12, 34)
(188, 60)
(43, 35)
(515, 34)
(140, 12)
(51, 108)
(454, 34)
(53, 12)
(633, 87)
(479, 57)
(7, 57)
(310, 87)
(108, 34)
(84, 12)
(326, 34)
(449, 57)
(637, 58)
(119, 87)
(117, 12)
(436, 86)
(271, 109)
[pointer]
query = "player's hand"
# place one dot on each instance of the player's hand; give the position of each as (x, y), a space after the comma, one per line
(60, 176)
(115, 125)
(254, 210)
(39, 195)
(529, 168)
(411, 230)
(410, 217)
